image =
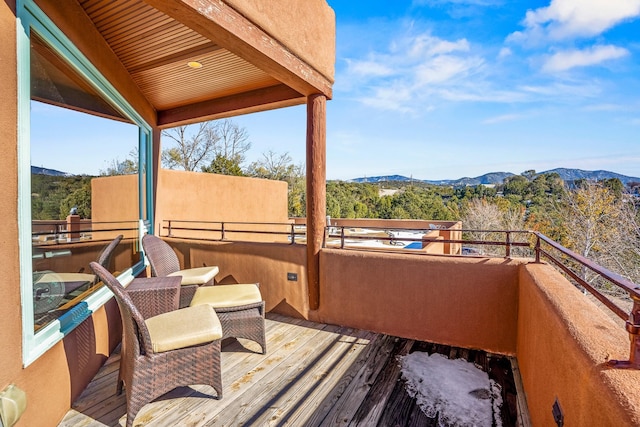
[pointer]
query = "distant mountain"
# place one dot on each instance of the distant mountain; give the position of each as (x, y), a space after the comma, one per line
(385, 178)
(35, 170)
(499, 177)
(575, 174)
(490, 178)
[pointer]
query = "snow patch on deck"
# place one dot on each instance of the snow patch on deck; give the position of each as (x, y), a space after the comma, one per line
(459, 392)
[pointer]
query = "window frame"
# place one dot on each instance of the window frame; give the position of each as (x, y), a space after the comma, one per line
(31, 18)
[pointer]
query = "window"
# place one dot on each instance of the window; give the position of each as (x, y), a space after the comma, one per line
(80, 147)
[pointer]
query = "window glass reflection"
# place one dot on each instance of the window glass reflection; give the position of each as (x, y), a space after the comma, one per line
(84, 159)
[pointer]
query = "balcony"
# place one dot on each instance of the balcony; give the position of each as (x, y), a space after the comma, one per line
(313, 375)
(265, 55)
(558, 338)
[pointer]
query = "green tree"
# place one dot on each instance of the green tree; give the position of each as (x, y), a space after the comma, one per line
(224, 166)
(128, 166)
(80, 199)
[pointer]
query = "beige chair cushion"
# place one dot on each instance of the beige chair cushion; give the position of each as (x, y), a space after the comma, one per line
(184, 328)
(197, 275)
(66, 277)
(221, 296)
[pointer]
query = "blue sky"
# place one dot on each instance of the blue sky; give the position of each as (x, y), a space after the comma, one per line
(441, 89)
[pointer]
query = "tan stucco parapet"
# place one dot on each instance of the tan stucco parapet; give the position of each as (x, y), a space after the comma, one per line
(306, 28)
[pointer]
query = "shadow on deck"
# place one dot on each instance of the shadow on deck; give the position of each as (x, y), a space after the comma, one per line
(312, 375)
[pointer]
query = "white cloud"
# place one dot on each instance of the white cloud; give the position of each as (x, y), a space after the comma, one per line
(397, 98)
(504, 52)
(563, 91)
(412, 69)
(565, 60)
(503, 118)
(445, 68)
(368, 68)
(604, 107)
(569, 19)
(426, 45)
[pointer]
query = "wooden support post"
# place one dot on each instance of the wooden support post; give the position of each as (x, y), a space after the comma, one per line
(316, 191)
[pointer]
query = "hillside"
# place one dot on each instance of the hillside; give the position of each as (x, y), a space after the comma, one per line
(35, 170)
(499, 177)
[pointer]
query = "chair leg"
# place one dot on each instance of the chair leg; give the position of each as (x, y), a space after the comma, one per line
(120, 386)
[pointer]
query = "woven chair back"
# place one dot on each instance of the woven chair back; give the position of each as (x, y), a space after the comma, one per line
(135, 330)
(107, 253)
(162, 258)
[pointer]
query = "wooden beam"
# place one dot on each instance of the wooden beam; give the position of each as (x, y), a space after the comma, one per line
(229, 29)
(316, 191)
(228, 106)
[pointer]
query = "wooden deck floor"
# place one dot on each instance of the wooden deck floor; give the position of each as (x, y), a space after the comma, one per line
(312, 375)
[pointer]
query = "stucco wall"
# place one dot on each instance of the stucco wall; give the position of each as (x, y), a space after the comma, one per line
(10, 332)
(563, 343)
(200, 196)
(466, 302)
(267, 264)
(306, 27)
(114, 198)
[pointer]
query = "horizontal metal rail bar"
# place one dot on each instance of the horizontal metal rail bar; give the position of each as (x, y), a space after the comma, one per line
(224, 230)
(604, 300)
(333, 239)
(622, 282)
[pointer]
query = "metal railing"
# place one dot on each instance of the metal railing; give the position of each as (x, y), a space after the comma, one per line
(340, 233)
(57, 232)
(632, 319)
(534, 243)
(227, 230)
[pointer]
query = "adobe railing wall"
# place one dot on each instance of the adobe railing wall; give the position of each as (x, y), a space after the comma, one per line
(563, 343)
(507, 306)
(270, 264)
(461, 301)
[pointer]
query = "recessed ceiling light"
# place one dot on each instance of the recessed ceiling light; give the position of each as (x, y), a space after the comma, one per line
(194, 64)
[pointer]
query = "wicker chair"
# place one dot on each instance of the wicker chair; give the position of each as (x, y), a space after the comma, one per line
(173, 349)
(164, 262)
(240, 309)
(73, 281)
(107, 253)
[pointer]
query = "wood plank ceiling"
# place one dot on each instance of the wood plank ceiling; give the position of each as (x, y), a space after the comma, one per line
(155, 49)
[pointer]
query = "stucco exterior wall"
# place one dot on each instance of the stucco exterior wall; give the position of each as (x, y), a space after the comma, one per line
(466, 302)
(267, 264)
(563, 342)
(307, 28)
(11, 332)
(114, 198)
(200, 196)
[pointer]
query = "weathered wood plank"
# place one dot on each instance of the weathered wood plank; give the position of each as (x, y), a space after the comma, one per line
(338, 378)
(312, 375)
(371, 409)
(523, 410)
(265, 390)
(402, 410)
(297, 405)
(339, 407)
(246, 377)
